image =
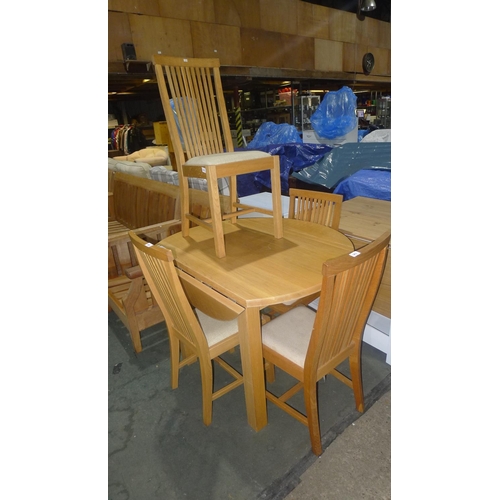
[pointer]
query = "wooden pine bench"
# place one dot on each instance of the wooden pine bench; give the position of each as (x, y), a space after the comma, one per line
(151, 208)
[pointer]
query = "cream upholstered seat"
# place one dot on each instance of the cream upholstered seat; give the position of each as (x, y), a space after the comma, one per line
(203, 145)
(310, 345)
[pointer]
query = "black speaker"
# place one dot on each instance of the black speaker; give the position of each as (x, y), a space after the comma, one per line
(128, 51)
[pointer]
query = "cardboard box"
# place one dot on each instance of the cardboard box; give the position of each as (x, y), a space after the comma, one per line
(162, 136)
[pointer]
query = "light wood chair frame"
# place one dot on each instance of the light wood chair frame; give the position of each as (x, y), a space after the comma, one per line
(311, 206)
(350, 285)
(177, 293)
(315, 206)
(194, 84)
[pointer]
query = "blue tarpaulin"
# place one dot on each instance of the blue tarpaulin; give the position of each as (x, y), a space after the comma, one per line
(370, 183)
(293, 158)
(345, 160)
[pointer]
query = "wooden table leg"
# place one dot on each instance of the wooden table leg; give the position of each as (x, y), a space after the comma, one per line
(253, 367)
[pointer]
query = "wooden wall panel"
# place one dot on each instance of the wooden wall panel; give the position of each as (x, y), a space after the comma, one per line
(313, 20)
(261, 48)
(266, 33)
(152, 34)
(353, 59)
(118, 33)
(349, 52)
(382, 61)
(384, 35)
(367, 31)
(238, 13)
(279, 15)
(217, 40)
(343, 26)
(328, 55)
(146, 7)
(297, 52)
(190, 10)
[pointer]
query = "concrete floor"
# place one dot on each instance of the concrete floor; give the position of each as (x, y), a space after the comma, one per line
(159, 447)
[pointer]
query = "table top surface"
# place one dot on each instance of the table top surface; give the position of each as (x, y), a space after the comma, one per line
(366, 218)
(260, 270)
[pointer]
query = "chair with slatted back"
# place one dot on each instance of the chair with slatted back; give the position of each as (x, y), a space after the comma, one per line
(203, 146)
(310, 345)
(203, 320)
(312, 206)
(315, 206)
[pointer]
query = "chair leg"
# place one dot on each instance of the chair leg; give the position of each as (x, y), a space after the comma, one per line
(357, 382)
(206, 370)
(311, 402)
(174, 361)
(269, 368)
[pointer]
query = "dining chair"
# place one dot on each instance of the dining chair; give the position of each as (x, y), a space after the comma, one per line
(201, 319)
(315, 206)
(195, 111)
(309, 345)
(312, 206)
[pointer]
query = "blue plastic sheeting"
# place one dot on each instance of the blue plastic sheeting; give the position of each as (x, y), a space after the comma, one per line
(293, 158)
(272, 133)
(346, 160)
(362, 133)
(370, 183)
(336, 114)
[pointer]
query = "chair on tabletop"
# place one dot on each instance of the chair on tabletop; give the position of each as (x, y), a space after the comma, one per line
(310, 345)
(312, 206)
(201, 319)
(203, 146)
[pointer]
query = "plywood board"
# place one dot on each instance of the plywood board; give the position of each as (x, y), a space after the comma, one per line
(384, 30)
(190, 10)
(343, 26)
(145, 7)
(328, 55)
(367, 31)
(261, 48)
(353, 59)
(118, 33)
(313, 20)
(297, 52)
(236, 13)
(279, 15)
(217, 40)
(155, 34)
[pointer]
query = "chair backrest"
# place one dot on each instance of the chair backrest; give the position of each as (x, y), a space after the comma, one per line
(315, 206)
(350, 285)
(157, 264)
(195, 87)
(177, 293)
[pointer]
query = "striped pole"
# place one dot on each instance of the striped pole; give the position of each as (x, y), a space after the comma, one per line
(237, 114)
(239, 128)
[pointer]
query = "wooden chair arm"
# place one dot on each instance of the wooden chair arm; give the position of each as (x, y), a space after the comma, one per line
(134, 272)
(170, 227)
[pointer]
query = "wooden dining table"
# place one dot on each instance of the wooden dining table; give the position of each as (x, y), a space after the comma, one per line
(258, 270)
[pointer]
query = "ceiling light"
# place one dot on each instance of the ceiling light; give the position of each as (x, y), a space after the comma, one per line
(365, 6)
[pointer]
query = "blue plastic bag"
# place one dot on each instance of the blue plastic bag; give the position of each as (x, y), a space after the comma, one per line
(271, 133)
(336, 114)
